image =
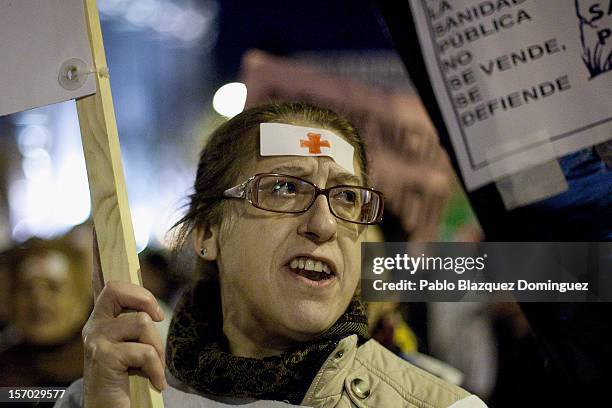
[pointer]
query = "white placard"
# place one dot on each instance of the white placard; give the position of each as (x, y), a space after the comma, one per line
(36, 38)
(505, 70)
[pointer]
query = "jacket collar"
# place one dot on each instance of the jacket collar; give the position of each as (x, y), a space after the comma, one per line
(337, 365)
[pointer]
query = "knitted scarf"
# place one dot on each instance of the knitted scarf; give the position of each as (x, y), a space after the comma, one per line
(198, 356)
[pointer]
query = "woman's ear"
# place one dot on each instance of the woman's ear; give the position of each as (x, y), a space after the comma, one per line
(205, 242)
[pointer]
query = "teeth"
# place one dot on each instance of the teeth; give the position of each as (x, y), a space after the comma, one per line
(310, 265)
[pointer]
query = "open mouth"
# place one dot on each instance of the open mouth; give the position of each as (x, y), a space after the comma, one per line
(312, 269)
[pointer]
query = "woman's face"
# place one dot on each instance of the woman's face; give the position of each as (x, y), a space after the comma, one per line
(260, 289)
(48, 308)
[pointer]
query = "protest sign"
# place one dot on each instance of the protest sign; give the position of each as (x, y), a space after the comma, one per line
(517, 81)
(53, 51)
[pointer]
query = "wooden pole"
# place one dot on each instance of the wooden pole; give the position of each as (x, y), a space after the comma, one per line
(111, 212)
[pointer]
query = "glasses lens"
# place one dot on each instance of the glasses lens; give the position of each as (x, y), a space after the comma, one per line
(355, 204)
(282, 193)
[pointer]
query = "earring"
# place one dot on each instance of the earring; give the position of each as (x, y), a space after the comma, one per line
(203, 252)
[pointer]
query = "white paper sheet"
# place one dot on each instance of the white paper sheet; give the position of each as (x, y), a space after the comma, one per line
(36, 38)
(503, 71)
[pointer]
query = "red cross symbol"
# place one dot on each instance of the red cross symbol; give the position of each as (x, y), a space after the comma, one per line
(314, 143)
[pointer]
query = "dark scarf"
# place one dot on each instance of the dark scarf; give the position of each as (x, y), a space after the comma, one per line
(198, 356)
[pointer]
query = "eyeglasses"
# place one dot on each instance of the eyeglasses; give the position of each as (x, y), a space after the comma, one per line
(281, 193)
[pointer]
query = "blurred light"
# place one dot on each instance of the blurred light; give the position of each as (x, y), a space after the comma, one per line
(33, 138)
(164, 236)
(168, 18)
(192, 26)
(39, 195)
(142, 12)
(74, 210)
(229, 100)
(54, 194)
(22, 230)
(143, 223)
(174, 185)
(113, 7)
(34, 213)
(184, 23)
(17, 195)
(37, 165)
(31, 117)
(73, 188)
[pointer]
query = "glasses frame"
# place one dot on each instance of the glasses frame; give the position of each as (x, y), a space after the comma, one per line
(242, 190)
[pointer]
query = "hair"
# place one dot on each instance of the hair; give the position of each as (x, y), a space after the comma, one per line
(234, 144)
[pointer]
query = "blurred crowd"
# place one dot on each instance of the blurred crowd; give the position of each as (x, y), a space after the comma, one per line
(46, 298)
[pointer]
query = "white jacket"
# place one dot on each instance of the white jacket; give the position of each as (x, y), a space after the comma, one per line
(370, 376)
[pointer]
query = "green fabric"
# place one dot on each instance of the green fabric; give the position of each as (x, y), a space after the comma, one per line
(197, 352)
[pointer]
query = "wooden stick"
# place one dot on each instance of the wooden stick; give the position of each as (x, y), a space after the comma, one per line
(111, 212)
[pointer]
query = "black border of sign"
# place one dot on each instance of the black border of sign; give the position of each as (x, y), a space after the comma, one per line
(480, 165)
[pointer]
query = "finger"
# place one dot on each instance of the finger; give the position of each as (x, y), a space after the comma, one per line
(115, 360)
(144, 358)
(97, 276)
(118, 296)
(135, 327)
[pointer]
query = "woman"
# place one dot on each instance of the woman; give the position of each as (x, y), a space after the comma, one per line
(277, 217)
(51, 300)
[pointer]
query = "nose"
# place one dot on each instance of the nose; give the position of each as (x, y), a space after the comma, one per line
(319, 225)
(36, 295)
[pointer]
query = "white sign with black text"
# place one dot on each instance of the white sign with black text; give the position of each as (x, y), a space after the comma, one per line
(506, 72)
